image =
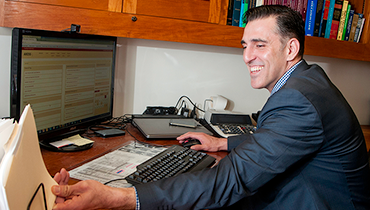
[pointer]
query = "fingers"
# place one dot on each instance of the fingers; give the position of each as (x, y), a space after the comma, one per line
(62, 177)
(57, 177)
(191, 135)
(197, 147)
(59, 199)
(69, 196)
(61, 190)
(183, 137)
(88, 194)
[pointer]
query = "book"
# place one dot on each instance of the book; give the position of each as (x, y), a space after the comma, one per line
(330, 18)
(349, 25)
(324, 18)
(353, 28)
(318, 17)
(252, 4)
(346, 22)
(292, 4)
(310, 17)
(236, 12)
(230, 9)
(362, 26)
(243, 9)
(23, 155)
(336, 19)
(358, 27)
(302, 8)
(259, 3)
(343, 16)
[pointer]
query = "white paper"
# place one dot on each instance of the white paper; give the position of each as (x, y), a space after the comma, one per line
(116, 165)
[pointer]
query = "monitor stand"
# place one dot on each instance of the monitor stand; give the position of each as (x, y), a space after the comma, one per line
(69, 148)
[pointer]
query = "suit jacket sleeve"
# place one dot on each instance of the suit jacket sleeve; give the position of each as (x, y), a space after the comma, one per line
(289, 131)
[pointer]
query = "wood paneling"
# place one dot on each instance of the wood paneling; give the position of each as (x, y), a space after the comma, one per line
(365, 38)
(336, 49)
(129, 6)
(120, 24)
(109, 5)
(191, 21)
(196, 10)
(366, 131)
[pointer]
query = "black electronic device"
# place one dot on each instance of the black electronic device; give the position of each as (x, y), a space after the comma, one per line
(67, 78)
(110, 132)
(170, 162)
(227, 123)
(160, 110)
(190, 142)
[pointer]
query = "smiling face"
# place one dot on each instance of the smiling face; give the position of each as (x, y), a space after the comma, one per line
(267, 55)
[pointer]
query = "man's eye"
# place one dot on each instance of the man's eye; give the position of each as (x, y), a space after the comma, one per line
(260, 45)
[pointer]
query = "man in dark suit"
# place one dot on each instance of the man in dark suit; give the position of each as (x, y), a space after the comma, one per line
(308, 151)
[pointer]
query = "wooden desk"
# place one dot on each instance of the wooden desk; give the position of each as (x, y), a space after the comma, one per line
(54, 161)
(366, 131)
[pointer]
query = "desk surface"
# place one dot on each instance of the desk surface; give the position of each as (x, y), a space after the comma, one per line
(366, 131)
(54, 161)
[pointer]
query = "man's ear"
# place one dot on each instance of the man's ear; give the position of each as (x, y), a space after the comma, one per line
(293, 49)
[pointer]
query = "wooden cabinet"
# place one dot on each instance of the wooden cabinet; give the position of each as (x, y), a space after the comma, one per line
(109, 5)
(195, 10)
(188, 21)
(212, 11)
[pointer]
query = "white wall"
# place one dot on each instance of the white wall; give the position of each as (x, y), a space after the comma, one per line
(5, 45)
(353, 79)
(158, 73)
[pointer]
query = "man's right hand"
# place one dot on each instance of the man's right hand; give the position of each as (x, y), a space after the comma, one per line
(90, 194)
(208, 143)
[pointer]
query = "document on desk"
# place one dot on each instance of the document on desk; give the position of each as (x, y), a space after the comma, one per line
(115, 166)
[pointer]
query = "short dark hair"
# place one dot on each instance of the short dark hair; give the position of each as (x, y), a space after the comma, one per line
(289, 22)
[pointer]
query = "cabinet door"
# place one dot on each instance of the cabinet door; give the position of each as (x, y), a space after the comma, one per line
(212, 11)
(108, 5)
(196, 10)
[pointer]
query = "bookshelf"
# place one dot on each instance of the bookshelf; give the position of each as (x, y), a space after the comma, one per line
(191, 21)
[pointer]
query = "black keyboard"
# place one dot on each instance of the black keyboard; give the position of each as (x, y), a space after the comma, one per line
(236, 129)
(170, 162)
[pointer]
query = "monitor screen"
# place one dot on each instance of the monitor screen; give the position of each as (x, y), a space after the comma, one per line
(67, 78)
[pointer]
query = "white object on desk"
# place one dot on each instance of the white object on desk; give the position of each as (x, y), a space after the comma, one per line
(22, 170)
(219, 103)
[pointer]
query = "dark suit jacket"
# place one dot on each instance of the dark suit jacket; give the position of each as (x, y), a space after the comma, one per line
(308, 153)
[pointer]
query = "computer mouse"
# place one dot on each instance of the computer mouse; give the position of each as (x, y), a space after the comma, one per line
(190, 142)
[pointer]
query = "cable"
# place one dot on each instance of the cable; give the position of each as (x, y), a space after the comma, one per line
(116, 122)
(113, 180)
(195, 107)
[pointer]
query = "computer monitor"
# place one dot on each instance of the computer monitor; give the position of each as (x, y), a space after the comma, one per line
(67, 78)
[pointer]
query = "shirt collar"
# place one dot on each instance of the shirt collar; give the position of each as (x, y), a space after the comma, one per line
(284, 78)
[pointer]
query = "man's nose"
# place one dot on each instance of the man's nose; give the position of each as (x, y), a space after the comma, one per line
(248, 55)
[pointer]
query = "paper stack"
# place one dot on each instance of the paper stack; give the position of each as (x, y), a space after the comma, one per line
(25, 182)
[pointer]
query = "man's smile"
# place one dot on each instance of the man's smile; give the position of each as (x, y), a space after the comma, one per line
(255, 69)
